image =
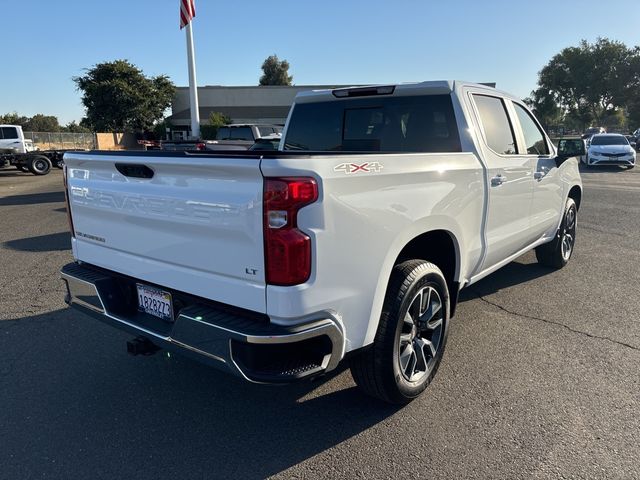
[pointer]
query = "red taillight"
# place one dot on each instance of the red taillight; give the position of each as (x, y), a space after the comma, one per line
(200, 146)
(287, 250)
(66, 200)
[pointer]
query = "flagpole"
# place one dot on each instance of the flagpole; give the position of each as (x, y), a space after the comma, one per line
(193, 87)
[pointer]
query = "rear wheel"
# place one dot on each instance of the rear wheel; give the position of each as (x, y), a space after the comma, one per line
(411, 335)
(40, 165)
(557, 253)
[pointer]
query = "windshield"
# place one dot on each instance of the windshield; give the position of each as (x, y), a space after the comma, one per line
(609, 140)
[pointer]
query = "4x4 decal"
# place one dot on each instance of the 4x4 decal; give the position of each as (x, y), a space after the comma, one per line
(373, 167)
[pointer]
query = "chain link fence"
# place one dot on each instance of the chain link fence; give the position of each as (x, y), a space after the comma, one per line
(62, 140)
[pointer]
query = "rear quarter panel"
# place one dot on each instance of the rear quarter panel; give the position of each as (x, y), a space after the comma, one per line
(363, 220)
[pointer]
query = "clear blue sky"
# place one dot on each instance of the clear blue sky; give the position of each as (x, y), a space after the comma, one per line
(332, 42)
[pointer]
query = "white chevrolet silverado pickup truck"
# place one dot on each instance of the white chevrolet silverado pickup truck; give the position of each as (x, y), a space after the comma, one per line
(353, 240)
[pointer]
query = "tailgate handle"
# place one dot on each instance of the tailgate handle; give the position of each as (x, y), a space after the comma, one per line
(134, 170)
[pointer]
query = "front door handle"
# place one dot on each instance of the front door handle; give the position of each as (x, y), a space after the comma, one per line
(540, 174)
(498, 180)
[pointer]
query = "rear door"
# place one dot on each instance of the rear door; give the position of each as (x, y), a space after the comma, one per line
(509, 180)
(188, 222)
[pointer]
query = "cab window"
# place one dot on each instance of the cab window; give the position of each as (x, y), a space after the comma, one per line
(495, 122)
(8, 133)
(534, 138)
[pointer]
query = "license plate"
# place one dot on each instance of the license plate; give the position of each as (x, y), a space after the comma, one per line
(155, 302)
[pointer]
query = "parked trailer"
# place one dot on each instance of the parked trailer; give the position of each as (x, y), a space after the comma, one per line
(20, 152)
(37, 162)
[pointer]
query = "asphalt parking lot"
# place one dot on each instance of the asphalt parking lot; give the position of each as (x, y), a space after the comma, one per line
(541, 378)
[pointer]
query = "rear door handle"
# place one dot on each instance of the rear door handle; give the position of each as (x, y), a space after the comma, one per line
(498, 180)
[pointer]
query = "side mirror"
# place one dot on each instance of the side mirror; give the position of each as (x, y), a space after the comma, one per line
(569, 147)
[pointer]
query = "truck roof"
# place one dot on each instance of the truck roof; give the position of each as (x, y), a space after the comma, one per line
(433, 87)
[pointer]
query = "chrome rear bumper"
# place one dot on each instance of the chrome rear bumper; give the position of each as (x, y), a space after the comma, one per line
(246, 345)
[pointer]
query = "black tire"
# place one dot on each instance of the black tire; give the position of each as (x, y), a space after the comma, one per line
(557, 253)
(40, 165)
(378, 370)
(59, 163)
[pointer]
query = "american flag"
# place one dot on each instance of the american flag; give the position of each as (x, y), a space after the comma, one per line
(187, 12)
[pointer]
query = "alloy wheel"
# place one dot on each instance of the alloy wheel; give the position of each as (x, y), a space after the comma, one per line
(421, 334)
(569, 233)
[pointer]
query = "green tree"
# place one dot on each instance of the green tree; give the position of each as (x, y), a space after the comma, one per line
(545, 108)
(591, 82)
(74, 127)
(42, 123)
(13, 118)
(160, 129)
(216, 120)
(119, 97)
(633, 111)
(276, 72)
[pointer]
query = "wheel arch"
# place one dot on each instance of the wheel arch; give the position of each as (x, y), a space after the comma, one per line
(575, 193)
(440, 246)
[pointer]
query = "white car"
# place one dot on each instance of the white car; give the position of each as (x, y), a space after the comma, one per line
(610, 149)
(353, 239)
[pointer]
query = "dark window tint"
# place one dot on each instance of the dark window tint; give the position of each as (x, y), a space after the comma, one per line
(264, 131)
(375, 124)
(495, 122)
(241, 133)
(605, 140)
(9, 132)
(533, 136)
(223, 133)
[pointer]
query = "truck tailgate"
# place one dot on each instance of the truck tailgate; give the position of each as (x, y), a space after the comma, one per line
(194, 226)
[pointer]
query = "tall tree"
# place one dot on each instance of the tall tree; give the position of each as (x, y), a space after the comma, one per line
(12, 118)
(73, 127)
(545, 108)
(119, 97)
(276, 72)
(43, 123)
(591, 81)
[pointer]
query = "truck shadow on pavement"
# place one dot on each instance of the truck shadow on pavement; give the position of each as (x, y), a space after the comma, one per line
(13, 173)
(510, 275)
(33, 198)
(77, 406)
(82, 408)
(54, 242)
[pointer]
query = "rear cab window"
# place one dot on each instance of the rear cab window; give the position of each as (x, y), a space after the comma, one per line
(241, 133)
(375, 124)
(235, 133)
